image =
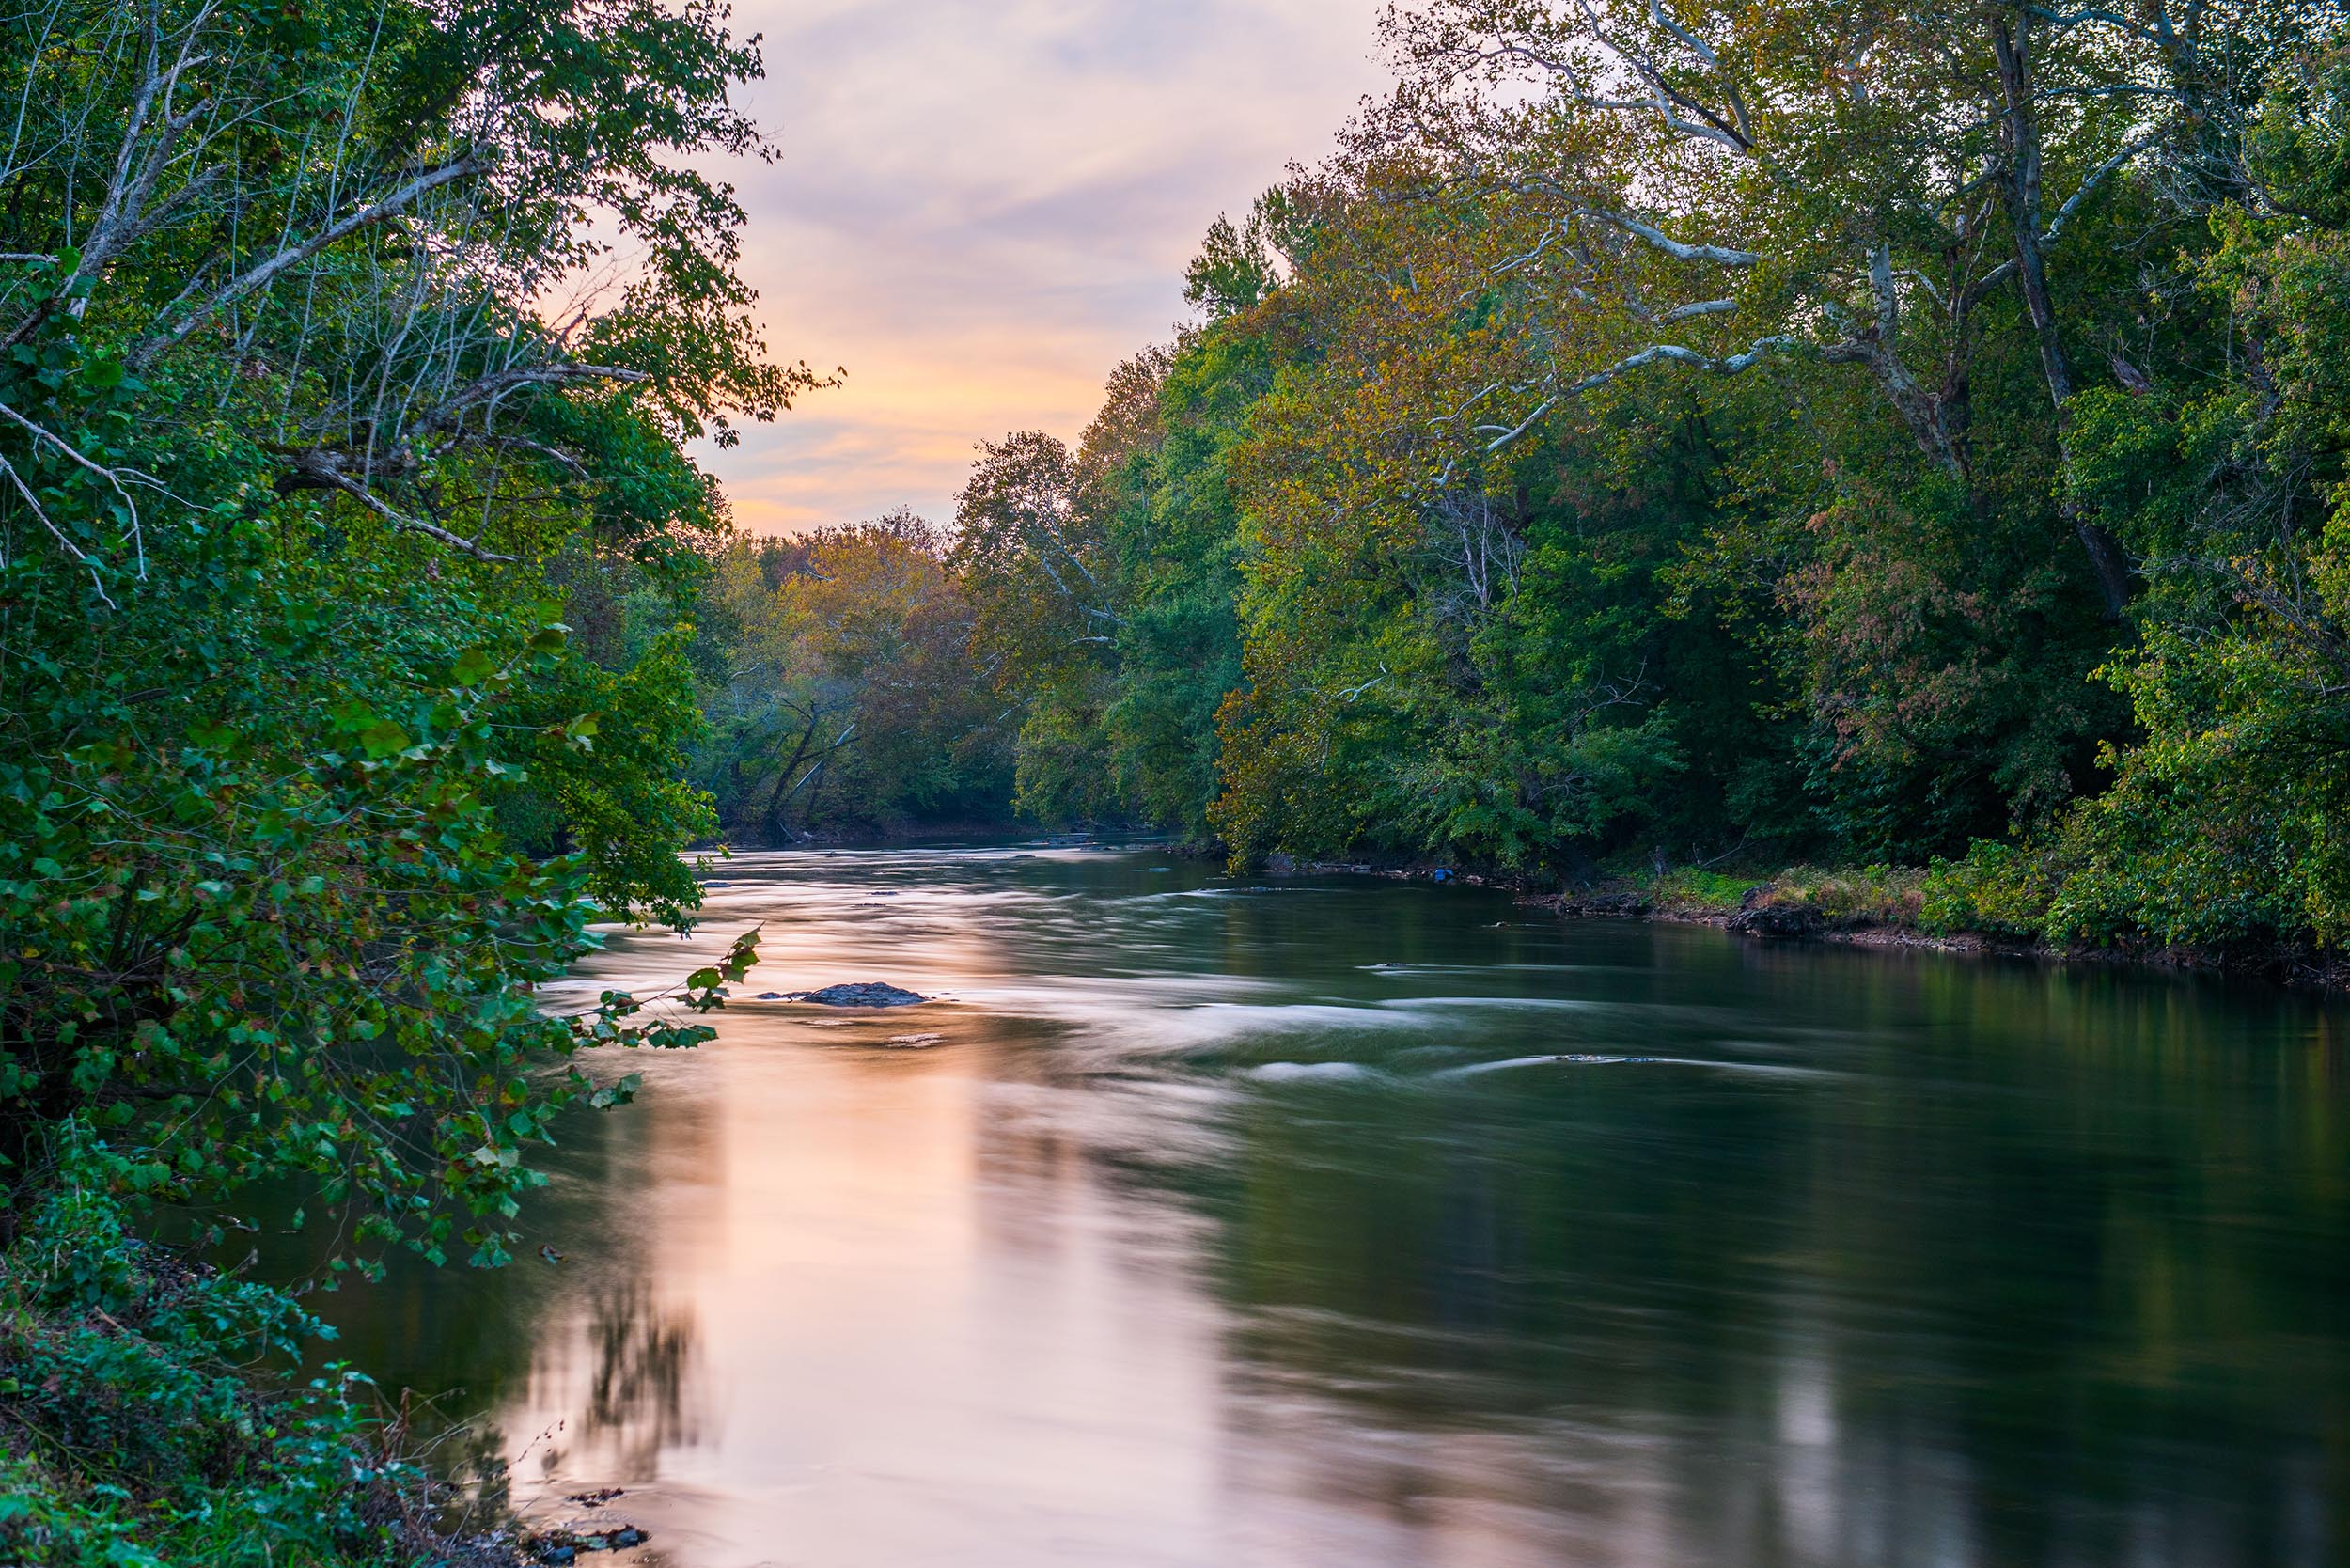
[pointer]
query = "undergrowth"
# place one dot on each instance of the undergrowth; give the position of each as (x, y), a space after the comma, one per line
(158, 1414)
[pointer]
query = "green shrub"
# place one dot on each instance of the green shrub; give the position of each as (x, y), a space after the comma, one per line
(1998, 889)
(151, 1412)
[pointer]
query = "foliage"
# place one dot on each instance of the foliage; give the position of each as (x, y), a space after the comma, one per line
(1780, 433)
(1997, 889)
(304, 785)
(844, 698)
(1103, 581)
(133, 1431)
(2228, 822)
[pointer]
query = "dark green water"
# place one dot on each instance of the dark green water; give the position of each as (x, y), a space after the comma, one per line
(1231, 1226)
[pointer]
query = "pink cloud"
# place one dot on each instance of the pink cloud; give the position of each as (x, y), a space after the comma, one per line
(979, 209)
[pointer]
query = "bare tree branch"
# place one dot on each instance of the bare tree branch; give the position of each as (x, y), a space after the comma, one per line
(262, 274)
(323, 470)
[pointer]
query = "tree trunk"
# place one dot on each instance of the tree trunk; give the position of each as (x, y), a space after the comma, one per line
(2022, 191)
(771, 820)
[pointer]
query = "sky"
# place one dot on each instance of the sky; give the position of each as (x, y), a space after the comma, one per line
(979, 207)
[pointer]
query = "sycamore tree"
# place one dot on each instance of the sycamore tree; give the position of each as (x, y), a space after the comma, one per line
(1434, 661)
(1890, 190)
(323, 330)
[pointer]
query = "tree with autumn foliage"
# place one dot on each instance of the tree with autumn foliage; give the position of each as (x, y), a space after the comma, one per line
(847, 702)
(1720, 434)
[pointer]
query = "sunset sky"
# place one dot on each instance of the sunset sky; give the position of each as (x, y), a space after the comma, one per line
(981, 208)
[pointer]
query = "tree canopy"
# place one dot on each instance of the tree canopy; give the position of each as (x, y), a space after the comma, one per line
(1703, 434)
(342, 343)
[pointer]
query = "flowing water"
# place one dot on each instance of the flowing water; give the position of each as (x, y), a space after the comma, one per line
(1341, 1222)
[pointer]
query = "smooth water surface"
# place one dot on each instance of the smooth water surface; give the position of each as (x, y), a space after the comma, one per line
(1229, 1225)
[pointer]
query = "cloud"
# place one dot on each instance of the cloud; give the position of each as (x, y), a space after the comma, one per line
(979, 209)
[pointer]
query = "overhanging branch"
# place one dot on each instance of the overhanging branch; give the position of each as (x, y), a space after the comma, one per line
(320, 469)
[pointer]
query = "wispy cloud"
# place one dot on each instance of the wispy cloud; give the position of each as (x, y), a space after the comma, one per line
(979, 209)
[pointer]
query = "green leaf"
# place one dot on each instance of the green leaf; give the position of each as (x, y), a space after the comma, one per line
(618, 1093)
(383, 739)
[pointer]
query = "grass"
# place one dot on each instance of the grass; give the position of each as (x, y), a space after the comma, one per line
(1687, 887)
(1866, 896)
(1840, 896)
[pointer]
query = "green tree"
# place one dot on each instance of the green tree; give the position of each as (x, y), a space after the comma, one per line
(305, 392)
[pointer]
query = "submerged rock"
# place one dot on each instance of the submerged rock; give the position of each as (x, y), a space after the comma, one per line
(560, 1545)
(862, 994)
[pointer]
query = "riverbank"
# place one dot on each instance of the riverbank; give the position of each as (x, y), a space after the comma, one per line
(1954, 907)
(1944, 908)
(1881, 906)
(157, 1411)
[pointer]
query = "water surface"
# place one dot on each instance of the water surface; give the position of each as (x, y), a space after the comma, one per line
(1228, 1225)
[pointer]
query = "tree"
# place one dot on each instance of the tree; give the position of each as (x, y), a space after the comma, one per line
(306, 787)
(1857, 187)
(849, 700)
(2224, 825)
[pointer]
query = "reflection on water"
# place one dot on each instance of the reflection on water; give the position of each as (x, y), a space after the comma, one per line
(1236, 1224)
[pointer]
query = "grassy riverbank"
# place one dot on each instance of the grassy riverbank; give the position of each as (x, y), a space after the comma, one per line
(1987, 903)
(1998, 899)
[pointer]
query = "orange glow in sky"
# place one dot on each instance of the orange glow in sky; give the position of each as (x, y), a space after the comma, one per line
(979, 209)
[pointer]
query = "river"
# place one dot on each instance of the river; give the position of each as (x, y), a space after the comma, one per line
(1230, 1224)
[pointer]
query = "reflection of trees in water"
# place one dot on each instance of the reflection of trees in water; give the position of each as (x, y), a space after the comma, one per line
(2050, 1273)
(624, 1380)
(643, 1392)
(620, 1384)
(482, 1349)
(471, 1457)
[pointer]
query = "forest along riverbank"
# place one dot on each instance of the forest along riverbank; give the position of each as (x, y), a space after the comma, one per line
(1332, 1218)
(1876, 907)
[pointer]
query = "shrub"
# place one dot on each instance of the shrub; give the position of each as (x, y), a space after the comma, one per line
(151, 1411)
(1998, 889)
